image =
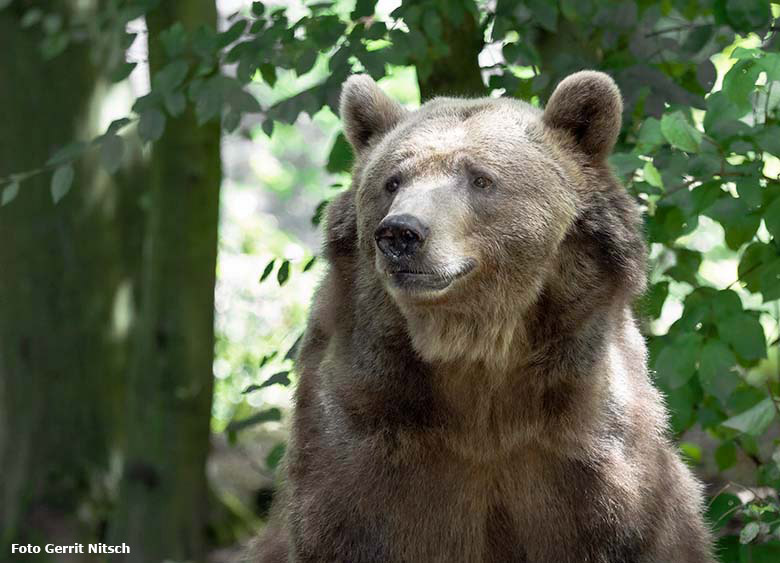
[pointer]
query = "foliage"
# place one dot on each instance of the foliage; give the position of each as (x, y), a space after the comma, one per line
(699, 148)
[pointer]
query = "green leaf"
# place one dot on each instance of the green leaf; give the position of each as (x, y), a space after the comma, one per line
(754, 420)
(769, 139)
(9, 193)
(61, 181)
(686, 266)
(726, 455)
(268, 415)
(283, 273)
(652, 302)
(121, 72)
(268, 72)
(766, 552)
(309, 264)
(676, 363)
(705, 195)
(715, 365)
(231, 34)
(770, 64)
(652, 176)
(650, 136)
(275, 456)
(721, 111)
(739, 83)
(174, 40)
(772, 218)
(175, 103)
(744, 334)
(721, 510)
(625, 164)
(68, 153)
(521, 53)
(746, 53)
(341, 157)
(170, 76)
(117, 125)
(208, 98)
(257, 9)
(112, 148)
(691, 452)
(362, 9)
(704, 165)
(750, 265)
(697, 38)
(268, 357)
(319, 212)
(292, 352)
(769, 280)
(724, 303)
(268, 269)
(305, 62)
(736, 219)
(279, 378)
(231, 120)
(545, 12)
(682, 403)
(749, 532)
(239, 100)
(747, 15)
(749, 190)
(151, 125)
(679, 133)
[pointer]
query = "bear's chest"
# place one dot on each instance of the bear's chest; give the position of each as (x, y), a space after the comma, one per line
(432, 507)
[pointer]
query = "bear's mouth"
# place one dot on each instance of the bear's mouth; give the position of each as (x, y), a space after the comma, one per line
(413, 280)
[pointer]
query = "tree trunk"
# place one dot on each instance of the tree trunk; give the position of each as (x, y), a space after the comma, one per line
(162, 508)
(458, 73)
(61, 354)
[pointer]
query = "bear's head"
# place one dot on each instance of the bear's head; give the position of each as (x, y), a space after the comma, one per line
(490, 222)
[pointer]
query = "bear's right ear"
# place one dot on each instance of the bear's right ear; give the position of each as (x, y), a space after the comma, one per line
(366, 111)
(587, 105)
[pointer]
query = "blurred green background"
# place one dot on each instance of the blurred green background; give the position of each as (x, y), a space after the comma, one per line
(163, 169)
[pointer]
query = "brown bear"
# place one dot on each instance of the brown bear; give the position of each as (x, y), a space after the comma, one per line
(473, 386)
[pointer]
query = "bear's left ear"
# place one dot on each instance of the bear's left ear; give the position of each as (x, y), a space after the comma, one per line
(366, 111)
(588, 106)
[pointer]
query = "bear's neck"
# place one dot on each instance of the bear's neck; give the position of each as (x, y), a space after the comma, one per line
(492, 338)
(537, 369)
(554, 395)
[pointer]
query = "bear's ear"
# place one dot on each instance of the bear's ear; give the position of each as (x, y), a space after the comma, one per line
(366, 111)
(588, 106)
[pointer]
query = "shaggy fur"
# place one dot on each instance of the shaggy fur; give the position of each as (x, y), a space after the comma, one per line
(510, 416)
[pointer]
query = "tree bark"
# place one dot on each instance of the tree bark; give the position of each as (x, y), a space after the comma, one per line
(162, 508)
(61, 355)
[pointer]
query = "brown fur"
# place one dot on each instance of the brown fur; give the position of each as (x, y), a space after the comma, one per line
(509, 417)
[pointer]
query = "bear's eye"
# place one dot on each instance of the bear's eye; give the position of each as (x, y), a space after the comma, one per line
(393, 184)
(482, 182)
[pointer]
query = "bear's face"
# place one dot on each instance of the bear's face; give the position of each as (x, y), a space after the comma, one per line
(459, 196)
(462, 206)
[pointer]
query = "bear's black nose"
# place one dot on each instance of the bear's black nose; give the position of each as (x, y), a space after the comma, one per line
(400, 236)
